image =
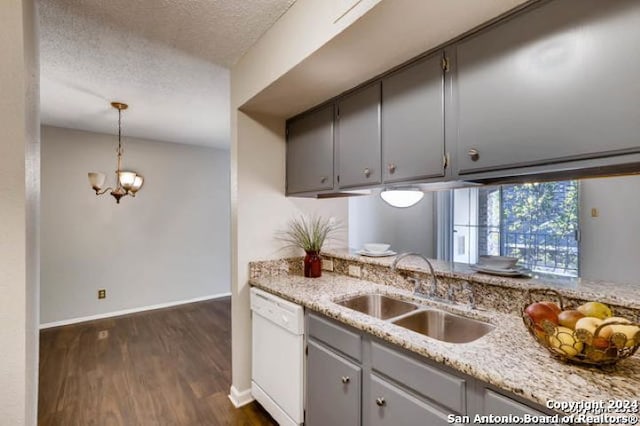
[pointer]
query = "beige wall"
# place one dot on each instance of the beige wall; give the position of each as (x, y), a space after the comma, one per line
(258, 205)
(609, 244)
(306, 27)
(260, 210)
(169, 244)
(406, 229)
(19, 204)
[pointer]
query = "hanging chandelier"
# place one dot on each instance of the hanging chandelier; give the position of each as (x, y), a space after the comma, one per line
(127, 183)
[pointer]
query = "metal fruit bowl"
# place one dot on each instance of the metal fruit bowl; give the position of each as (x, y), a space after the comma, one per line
(580, 346)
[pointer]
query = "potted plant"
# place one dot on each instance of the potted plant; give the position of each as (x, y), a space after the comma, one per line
(309, 234)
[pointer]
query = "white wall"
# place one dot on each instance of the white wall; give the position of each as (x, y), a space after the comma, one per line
(19, 207)
(409, 229)
(169, 243)
(260, 209)
(609, 247)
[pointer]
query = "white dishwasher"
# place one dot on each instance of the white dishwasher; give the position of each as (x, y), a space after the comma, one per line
(277, 360)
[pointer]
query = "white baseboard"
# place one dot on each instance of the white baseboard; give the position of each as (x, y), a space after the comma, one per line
(240, 398)
(131, 311)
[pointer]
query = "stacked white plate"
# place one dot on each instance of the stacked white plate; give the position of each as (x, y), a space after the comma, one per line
(503, 266)
(376, 250)
(508, 272)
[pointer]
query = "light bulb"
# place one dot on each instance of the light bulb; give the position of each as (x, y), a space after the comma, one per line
(127, 179)
(137, 184)
(402, 197)
(96, 180)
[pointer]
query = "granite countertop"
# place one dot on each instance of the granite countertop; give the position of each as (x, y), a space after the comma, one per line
(507, 357)
(622, 294)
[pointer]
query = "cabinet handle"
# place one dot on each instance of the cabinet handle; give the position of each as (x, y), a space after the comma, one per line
(323, 179)
(346, 379)
(392, 168)
(474, 154)
(367, 172)
(380, 402)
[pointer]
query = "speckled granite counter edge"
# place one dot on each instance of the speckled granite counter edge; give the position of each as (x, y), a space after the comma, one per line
(617, 294)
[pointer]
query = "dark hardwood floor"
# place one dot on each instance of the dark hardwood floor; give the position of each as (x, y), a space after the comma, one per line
(164, 367)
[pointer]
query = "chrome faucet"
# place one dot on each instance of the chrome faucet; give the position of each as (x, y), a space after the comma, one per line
(416, 287)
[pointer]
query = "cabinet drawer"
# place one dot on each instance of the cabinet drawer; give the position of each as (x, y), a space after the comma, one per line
(345, 341)
(500, 405)
(439, 386)
(390, 405)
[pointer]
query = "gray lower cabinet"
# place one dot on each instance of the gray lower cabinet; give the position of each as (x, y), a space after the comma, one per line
(540, 88)
(310, 152)
(501, 405)
(355, 379)
(413, 122)
(390, 405)
(358, 138)
(333, 388)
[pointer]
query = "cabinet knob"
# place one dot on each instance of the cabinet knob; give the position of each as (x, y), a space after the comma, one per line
(346, 379)
(474, 154)
(323, 179)
(392, 168)
(380, 402)
(367, 172)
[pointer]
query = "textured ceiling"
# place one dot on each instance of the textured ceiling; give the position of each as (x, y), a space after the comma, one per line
(168, 59)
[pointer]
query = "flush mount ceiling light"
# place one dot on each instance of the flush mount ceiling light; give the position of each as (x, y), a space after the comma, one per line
(127, 183)
(402, 198)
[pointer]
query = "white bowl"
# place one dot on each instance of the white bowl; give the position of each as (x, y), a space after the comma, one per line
(376, 247)
(499, 262)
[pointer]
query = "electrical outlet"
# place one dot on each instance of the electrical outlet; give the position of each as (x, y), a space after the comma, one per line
(327, 265)
(595, 212)
(102, 293)
(355, 271)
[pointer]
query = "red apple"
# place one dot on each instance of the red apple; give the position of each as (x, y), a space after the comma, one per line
(539, 312)
(553, 305)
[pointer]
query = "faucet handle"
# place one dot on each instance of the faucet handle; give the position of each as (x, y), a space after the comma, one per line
(472, 295)
(450, 293)
(417, 283)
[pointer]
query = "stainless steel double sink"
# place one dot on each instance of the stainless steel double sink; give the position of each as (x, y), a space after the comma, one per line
(434, 323)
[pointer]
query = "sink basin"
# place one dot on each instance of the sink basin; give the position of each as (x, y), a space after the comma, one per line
(378, 305)
(444, 326)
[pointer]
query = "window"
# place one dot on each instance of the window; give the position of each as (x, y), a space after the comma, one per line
(535, 222)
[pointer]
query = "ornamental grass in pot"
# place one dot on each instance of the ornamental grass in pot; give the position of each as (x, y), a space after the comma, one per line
(310, 234)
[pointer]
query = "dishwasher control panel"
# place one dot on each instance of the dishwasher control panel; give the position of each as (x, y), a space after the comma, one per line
(286, 314)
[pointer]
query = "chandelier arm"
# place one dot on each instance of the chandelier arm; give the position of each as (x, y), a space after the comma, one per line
(98, 192)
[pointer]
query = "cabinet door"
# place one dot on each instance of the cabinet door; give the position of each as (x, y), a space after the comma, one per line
(392, 406)
(413, 122)
(557, 83)
(358, 136)
(333, 388)
(310, 152)
(500, 405)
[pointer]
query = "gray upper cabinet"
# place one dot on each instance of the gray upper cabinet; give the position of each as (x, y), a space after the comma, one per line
(554, 84)
(310, 152)
(333, 388)
(413, 122)
(358, 138)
